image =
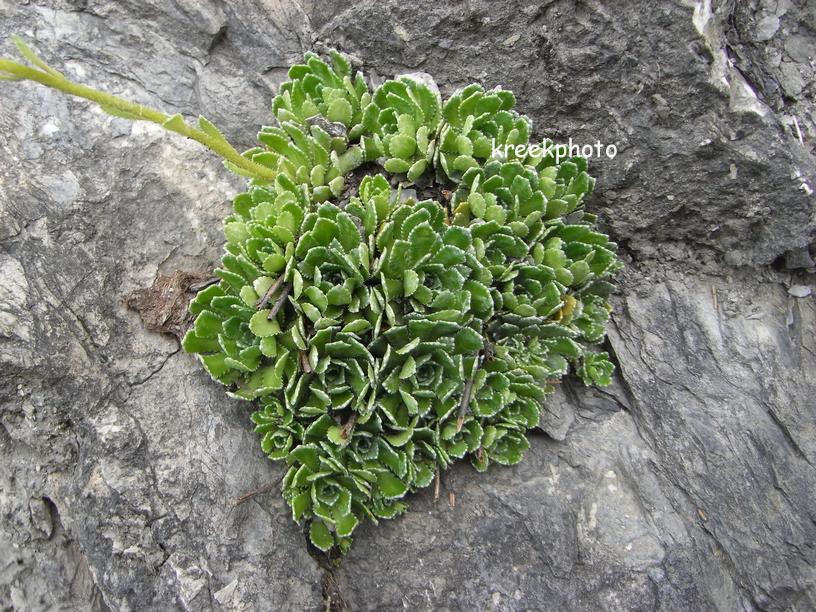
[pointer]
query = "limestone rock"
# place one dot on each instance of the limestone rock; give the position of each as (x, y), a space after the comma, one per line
(686, 485)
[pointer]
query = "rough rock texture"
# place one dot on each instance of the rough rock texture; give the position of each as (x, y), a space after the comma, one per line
(687, 485)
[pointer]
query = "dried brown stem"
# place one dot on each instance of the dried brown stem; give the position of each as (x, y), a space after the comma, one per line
(349, 426)
(262, 489)
(195, 288)
(463, 405)
(269, 293)
(280, 301)
(304, 362)
(467, 392)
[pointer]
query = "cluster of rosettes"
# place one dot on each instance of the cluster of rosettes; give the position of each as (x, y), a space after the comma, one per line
(386, 337)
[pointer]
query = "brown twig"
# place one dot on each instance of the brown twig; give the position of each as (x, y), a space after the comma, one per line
(304, 362)
(467, 392)
(436, 485)
(280, 301)
(269, 293)
(463, 405)
(349, 426)
(262, 489)
(202, 285)
(446, 196)
(452, 499)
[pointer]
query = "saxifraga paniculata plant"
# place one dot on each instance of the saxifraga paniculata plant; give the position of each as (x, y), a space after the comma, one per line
(382, 337)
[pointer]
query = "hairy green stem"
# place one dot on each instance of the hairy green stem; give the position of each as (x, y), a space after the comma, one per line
(206, 134)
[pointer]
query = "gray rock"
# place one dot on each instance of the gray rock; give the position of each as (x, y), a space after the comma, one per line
(767, 27)
(799, 258)
(686, 485)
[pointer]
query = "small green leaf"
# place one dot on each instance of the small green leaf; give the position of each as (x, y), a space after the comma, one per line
(395, 165)
(338, 295)
(236, 232)
(404, 350)
(193, 344)
(261, 326)
(417, 169)
(32, 57)
(316, 297)
(274, 263)
(390, 486)
(300, 504)
(345, 524)
(410, 401)
(336, 186)
(320, 536)
(467, 341)
(410, 282)
(207, 325)
(402, 146)
(297, 284)
(400, 439)
(210, 130)
(408, 368)
(340, 110)
(176, 123)
(357, 326)
(306, 455)
(269, 346)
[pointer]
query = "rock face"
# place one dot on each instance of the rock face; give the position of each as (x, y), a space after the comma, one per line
(687, 485)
